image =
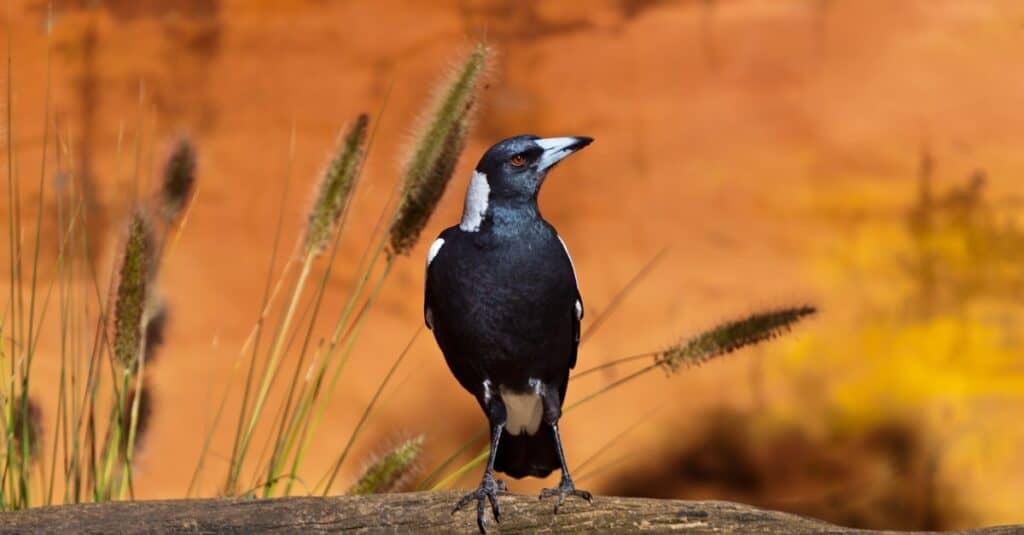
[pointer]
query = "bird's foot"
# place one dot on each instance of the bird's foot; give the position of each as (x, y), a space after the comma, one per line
(487, 491)
(565, 488)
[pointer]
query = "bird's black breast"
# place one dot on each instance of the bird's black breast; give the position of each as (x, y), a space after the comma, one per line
(503, 307)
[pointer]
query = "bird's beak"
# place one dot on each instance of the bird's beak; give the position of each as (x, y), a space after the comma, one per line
(557, 148)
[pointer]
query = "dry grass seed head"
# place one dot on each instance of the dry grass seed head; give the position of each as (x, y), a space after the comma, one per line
(437, 150)
(131, 294)
(730, 336)
(336, 186)
(392, 471)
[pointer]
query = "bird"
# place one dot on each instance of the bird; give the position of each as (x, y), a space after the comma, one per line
(503, 302)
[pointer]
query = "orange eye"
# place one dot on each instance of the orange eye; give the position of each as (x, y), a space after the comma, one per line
(518, 160)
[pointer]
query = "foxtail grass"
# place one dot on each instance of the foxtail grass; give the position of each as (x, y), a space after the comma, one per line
(425, 177)
(93, 452)
(100, 331)
(93, 448)
(136, 272)
(437, 151)
(336, 187)
(731, 336)
(324, 222)
(391, 471)
(131, 295)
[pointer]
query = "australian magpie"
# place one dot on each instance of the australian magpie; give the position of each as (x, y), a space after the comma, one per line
(503, 303)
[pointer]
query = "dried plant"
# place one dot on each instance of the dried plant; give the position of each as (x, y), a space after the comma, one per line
(336, 186)
(392, 471)
(133, 284)
(425, 177)
(730, 336)
(436, 152)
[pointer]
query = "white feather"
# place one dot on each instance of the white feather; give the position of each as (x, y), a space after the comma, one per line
(523, 412)
(434, 249)
(428, 315)
(579, 305)
(476, 202)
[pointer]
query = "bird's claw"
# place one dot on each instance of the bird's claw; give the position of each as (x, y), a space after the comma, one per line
(564, 489)
(486, 492)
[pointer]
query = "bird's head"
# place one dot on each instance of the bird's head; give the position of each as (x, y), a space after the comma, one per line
(516, 167)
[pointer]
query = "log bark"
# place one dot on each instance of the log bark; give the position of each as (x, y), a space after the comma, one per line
(417, 512)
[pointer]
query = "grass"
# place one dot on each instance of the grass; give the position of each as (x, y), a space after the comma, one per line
(288, 369)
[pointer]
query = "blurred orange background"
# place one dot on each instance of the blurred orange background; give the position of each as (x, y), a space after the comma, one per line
(785, 152)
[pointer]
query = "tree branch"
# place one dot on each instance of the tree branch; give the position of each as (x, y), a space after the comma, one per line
(417, 512)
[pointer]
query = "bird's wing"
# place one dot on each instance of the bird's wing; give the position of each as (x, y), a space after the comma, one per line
(577, 306)
(428, 315)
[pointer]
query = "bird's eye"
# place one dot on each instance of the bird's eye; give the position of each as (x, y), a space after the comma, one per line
(518, 160)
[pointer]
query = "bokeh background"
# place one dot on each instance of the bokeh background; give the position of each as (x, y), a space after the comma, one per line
(864, 156)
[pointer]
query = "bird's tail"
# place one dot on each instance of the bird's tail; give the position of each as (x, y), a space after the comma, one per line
(528, 455)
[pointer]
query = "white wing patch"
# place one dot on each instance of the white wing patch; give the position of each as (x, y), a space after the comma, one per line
(476, 202)
(428, 315)
(579, 305)
(434, 249)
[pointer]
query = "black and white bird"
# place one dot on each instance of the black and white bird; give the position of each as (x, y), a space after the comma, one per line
(503, 303)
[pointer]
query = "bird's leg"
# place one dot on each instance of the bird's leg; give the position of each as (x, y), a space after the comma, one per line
(489, 487)
(552, 412)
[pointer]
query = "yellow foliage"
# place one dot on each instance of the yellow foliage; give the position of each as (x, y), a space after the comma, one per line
(924, 306)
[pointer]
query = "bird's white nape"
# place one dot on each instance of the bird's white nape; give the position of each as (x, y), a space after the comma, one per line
(477, 197)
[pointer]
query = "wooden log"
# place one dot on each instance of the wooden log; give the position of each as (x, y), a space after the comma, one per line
(417, 512)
